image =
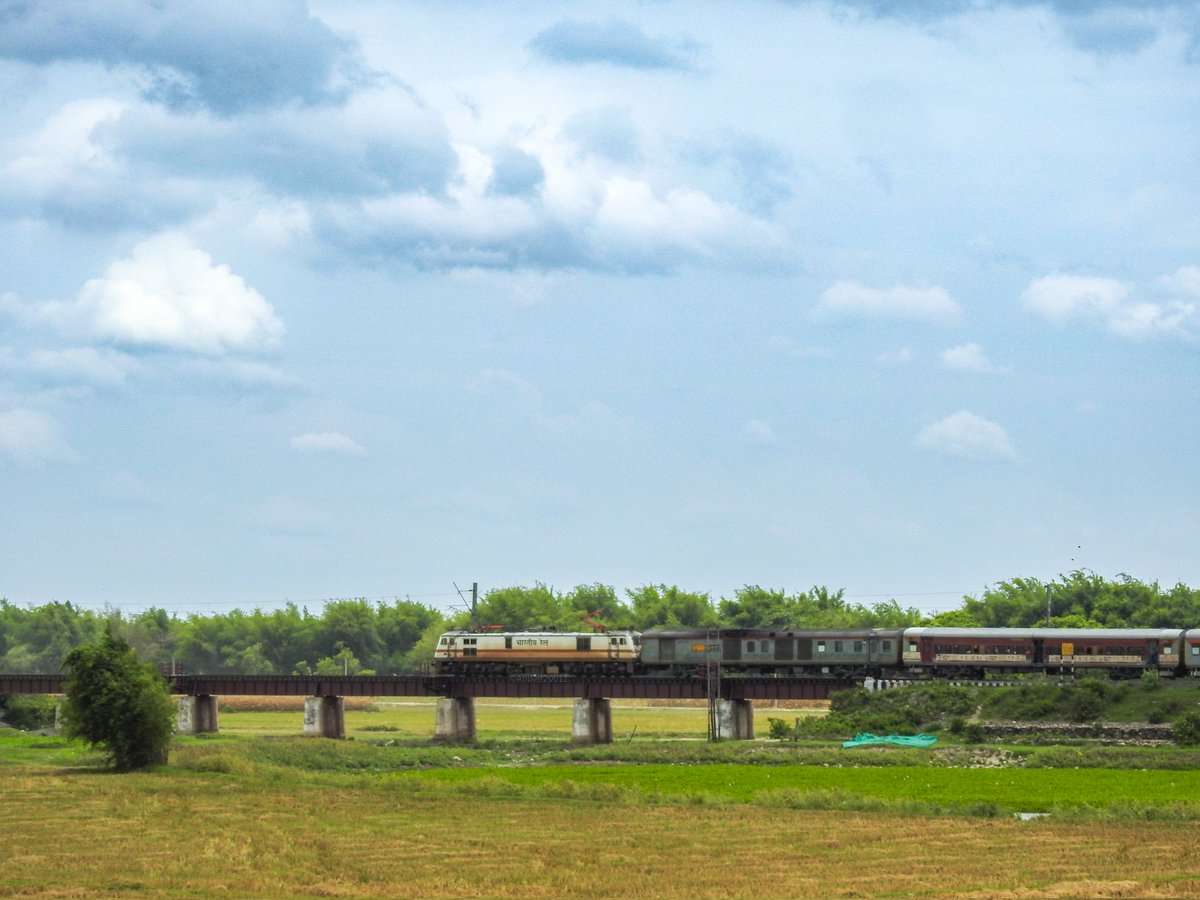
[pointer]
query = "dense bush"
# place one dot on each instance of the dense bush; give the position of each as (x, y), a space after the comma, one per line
(117, 703)
(923, 707)
(1085, 701)
(779, 730)
(1187, 729)
(27, 711)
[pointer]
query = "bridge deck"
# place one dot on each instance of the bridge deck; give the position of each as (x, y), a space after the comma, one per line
(444, 686)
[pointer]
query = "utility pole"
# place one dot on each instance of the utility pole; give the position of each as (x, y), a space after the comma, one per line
(474, 602)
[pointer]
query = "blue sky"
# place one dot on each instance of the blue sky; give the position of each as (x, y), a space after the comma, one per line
(304, 301)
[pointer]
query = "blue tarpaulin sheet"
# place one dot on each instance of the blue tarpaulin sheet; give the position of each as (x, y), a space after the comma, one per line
(902, 740)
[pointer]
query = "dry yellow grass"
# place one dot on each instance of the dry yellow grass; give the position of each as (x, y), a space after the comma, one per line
(272, 703)
(182, 834)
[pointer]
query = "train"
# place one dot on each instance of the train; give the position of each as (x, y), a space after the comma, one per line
(828, 652)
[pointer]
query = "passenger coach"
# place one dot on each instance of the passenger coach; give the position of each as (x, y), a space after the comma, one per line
(972, 652)
(837, 652)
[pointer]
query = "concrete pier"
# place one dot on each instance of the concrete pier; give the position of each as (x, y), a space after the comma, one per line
(198, 715)
(325, 717)
(455, 720)
(592, 722)
(735, 720)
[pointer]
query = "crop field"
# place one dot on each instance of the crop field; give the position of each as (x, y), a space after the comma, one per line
(970, 789)
(178, 833)
(259, 811)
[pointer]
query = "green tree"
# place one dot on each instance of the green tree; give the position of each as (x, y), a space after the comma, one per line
(598, 602)
(344, 662)
(659, 606)
(117, 703)
(1186, 729)
(401, 626)
(756, 607)
(525, 609)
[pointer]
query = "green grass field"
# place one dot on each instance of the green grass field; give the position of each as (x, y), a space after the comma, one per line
(1000, 790)
(259, 811)
(173, 834)
(294, 817)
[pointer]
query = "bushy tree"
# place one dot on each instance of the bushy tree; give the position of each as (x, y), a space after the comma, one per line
(117, 703)
(659, 606)
(1186, 729)
(756, 607)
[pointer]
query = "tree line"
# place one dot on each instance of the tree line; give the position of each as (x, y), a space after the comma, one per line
(360, 636)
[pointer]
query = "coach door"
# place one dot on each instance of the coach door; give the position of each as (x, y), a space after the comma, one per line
(666, 649)
(732, 649)
(785, 649)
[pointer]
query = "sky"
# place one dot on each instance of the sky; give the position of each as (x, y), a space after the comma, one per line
(303, 301)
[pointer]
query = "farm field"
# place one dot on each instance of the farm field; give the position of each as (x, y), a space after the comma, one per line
(260, 811)
(177, 833)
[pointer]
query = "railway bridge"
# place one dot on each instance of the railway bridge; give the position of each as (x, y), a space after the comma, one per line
(730, 698)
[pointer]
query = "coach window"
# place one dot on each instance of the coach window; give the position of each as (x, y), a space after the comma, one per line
(858, 645)
(749, 646)
(507, 642)
(912, 646)
(820, 646)
(1167, 650)
(837, 646)
(1195, 649)
(887, 646)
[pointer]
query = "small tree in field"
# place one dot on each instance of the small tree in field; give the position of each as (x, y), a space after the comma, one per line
(115, 702)
(1187, 729)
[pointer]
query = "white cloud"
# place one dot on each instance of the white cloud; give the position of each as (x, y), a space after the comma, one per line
(1185, 282)
(1145, 320)
(1061, 298)
(635, 225)
(170, 295)
(64, 144)
(1109, 303)
(923, 304)
(73, 364)
(32, 438)
(968, 436)
(578, 216)
(328, 443)
(242, 372)
(968, 357)
(759, 432)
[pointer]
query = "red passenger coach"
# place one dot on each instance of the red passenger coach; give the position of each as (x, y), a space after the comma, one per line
(974, 652)
(1191, 651)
